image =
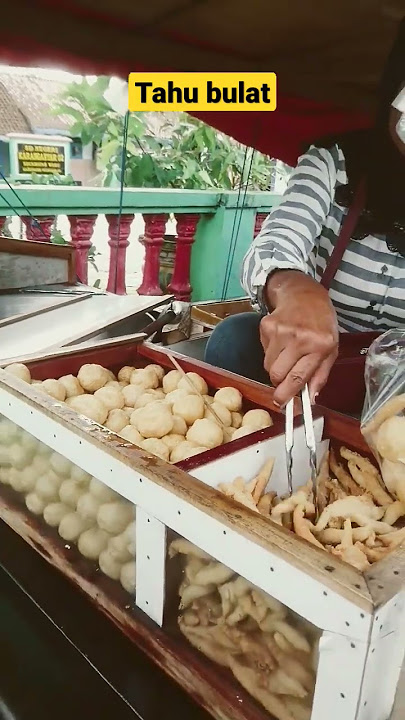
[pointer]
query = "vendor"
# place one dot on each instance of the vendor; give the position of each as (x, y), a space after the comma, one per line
(293, 337)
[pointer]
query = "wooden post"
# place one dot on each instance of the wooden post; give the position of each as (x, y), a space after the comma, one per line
(155, 227)
(81, 230)
(259, 220)
(180, 283)
(118, 231)
(38, 229)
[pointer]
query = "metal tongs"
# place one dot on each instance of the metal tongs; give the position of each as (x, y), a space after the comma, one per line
(309, 439)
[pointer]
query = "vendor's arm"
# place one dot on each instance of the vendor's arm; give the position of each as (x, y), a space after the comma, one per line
(300, 337)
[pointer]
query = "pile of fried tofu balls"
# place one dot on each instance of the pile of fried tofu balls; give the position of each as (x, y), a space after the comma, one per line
(170, 415)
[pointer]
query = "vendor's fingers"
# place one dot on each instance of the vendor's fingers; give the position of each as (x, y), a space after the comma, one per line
(320, 377)
(296, 378)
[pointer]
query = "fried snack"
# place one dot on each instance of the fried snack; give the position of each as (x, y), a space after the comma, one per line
(281, 683)
(302, 526)
(213, 574)
(208, 647)
(348, 507)
(393, 512)
(333, 536)
(346, 481)
(366, 476)
(288, 505)
(393, 407)
(298, 709)
(322, 483)
(246, 676)
(230, 593)
(394, 539)
(265, 503)
(193, 592)
(262, 480)
(184, 547)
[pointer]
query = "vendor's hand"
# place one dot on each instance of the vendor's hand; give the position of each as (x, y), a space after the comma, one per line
(300, 337)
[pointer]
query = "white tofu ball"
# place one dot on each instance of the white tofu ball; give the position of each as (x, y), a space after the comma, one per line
(178, 394)
(221, 411)
(48, 486)
(148, 397)
(28, 441)
(193, 384)
(130, 534)
(55, 512)
(156, 447)
(109, 566)
(112, 398)
(101, 491)
(160, 372)
(145, 377)
(71, 385)
(40, 464)
(131, 393)
(93, 377)
(242, 432)
(19, 371)
(81, 476)
(88, 506)
(44, 450)
(5, 475)
(35, 504)
(117, 420)
(257, 419)
(172, 440)
(390, 439)
(4, 456)
(185, 450)
(15, 480)
(124, 375)
(114, 384)
(205, 433)
(61, 465)
(70, 491)
(92, 543)
(153, 421)
(115, 516)
(90, 407)
(190, 408)
(54, 389)
(72, 526)
(179, 425)
(128, 576)
(29, 477)
(228, 434)
(171, 380)
(230, 397)
(8, 432)
(19, 457)
(208, 399)
(237, 420)
(131, 434)
(118, 548)
(128, 410)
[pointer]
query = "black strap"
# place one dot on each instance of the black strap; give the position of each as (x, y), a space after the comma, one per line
(345, 235)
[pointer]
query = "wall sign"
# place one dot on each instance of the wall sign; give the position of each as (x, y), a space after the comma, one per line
(40, 159)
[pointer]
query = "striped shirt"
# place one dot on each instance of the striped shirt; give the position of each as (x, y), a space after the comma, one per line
(368, 291)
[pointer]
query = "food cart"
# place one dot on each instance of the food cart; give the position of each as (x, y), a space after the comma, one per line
(250, 618)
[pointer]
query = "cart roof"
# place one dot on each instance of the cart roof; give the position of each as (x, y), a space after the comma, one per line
(328, 55)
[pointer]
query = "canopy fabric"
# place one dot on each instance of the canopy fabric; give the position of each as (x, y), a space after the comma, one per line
(328, 55)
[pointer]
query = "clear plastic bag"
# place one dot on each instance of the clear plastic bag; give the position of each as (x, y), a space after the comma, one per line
(383, 417)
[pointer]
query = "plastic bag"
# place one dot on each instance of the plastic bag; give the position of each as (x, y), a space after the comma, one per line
(383, 418)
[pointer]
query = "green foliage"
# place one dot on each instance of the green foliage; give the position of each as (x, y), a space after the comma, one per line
(57, 238)
(184, 153)
(36, 179)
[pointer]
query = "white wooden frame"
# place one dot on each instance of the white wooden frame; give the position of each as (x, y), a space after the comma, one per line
(350, 639)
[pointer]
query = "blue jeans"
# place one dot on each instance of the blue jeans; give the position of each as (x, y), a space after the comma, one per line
(235, 346)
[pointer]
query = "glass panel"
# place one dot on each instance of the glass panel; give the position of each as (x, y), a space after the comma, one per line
(77, 510)
(268, 649)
